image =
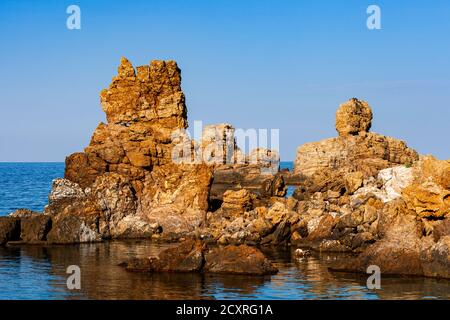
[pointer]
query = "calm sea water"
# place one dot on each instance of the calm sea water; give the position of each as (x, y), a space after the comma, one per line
(26, 185)
(39, 272)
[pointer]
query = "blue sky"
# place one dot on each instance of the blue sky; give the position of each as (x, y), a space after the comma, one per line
(254, 64)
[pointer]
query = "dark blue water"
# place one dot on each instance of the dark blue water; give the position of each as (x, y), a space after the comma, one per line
(39, 272)
(26, 185)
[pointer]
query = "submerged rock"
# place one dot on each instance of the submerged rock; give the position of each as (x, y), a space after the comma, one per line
(240, 259)
(186, 257)
(195, 256)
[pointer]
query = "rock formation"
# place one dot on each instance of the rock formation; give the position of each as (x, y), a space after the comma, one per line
(235, 170)
(142, 176)
(195, 256)
(370, 194)
(126, 183)
(353, 117)
(340, 164)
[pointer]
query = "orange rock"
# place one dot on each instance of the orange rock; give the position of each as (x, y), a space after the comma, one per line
(353, 117)
(429, 194)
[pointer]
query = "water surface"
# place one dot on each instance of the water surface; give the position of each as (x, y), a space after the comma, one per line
(39, 272)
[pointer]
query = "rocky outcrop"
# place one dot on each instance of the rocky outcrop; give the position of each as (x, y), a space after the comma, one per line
(340, 164)
(412, 229)
(140, 175)
(195, 256)
(369, 194)
(126, 182)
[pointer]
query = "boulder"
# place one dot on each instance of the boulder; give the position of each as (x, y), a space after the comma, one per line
(34, 226)
(64, 192)
(353, 117)
(194, 256)
(241, 259)
(236, 203)
(186, 257)
(323, 230)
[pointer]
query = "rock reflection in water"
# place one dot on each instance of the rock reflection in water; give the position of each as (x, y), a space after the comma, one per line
(36, 272)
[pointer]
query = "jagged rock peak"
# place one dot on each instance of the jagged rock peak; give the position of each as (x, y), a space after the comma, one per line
(125, 69)
(151, 93)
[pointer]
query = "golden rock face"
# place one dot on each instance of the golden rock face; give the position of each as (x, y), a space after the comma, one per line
(429, 194)
(143, 110)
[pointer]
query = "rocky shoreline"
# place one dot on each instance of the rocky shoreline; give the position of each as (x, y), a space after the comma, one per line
(359, 192)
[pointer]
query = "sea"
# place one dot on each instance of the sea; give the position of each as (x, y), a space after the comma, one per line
(40, 272)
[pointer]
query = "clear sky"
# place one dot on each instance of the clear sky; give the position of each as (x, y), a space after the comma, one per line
(254, 64)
